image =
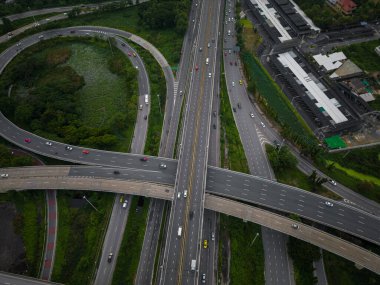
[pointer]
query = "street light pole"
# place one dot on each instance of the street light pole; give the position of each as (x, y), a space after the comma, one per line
(84, 197)
(257, 234)
(159, 103)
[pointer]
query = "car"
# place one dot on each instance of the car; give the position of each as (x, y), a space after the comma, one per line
(41, 37)
(116, 172)
(200, 49)
(125, 204)
(233, 84)
(229, 51)
(65, 14)
(110, 257)
(234, 109)
(209, 75)
(145, 117)
(180, 93)
(179, 195)
(121, 198)
(212, 236)
(185, 193)
(239, 105)
(134, 54)
(140, 107)
(27, 140)
(208, 45)
(193, 20)
(144, 158)
(225, 53)
(47, 19)
(214, 113)
(241, 82)
(4, 175)
(230, 62)
(204, 278)
(262, 124)
(49, 143)
(327, 203)
(205, 243)
(72, 32)
(252, 115)
(214, 126)
(85, 151)
(10, 34)
(332, 182)
(162, 165)
(137, 67)
(295, 226)
(68, 148)
(196, 67)
(129, 54)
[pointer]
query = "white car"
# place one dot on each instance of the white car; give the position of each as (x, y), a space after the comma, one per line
(252, 115)
(185, 194)
(212, 236)
(162, 165)
(125, 204)
(179, 195)
(49, 143)
(69, 148)
(329, 204)
(4, 175)
(295, 226)
(233, 84)
(332, 182)
(262, 124)
(209, 75)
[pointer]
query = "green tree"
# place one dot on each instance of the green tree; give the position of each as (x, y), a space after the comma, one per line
(7, 25)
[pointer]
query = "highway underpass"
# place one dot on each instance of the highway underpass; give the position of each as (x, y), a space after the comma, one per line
(240, 210)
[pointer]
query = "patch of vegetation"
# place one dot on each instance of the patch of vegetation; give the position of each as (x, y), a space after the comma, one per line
(63, 90)
(7, 159)
(13, 25)
(342, 271)
(364, 55)
(130, 249)
(285, 169)
(303, 254)
(80, 235)
(247, 254)
(251, 38)
(324, 16)
(230, 143)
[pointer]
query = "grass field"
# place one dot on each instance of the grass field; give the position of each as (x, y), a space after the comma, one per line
(80, 235)
(129, 254)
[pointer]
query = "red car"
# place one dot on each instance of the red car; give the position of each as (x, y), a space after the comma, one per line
(129, 54)
(196, 67)
(225, 53)
(144, 159)
(27, 140)
(85, 151)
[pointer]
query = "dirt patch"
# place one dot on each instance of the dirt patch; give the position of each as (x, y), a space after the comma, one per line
(12, 253)
(226, 250)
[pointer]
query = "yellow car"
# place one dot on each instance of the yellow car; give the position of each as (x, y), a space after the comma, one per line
(241, 82)
(205, 243)
(121, 198)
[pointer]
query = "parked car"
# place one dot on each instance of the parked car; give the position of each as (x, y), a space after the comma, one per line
(27, 140)
(85, 151)
(144, 159)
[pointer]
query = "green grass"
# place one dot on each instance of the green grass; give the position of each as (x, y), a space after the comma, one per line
(129, 254)
(25, 21)
(30, 224)
(230, 138)
(80, 236)
(247, 259)
(342, 271)
(356, 174)
(364, 55)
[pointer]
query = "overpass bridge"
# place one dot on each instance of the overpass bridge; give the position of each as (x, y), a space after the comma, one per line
(63, 178)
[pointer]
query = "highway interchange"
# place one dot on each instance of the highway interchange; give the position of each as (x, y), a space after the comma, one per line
(138, 170)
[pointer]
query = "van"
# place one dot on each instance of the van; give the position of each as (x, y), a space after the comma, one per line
(146, 99)
(179, 231)
(207, 60)
(229, 32)
(125, 204)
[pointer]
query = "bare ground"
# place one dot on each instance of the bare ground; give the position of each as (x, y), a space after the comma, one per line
(12, 252)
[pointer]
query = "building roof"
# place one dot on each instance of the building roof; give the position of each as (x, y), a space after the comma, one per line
(335, 142)
(315, 91)
(348, 68)
(331, 61)
(347, 5)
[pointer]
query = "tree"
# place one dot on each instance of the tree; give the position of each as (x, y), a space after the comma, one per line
(7, 25)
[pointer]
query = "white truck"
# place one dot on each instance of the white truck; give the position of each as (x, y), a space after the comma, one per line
(146, 99)
(193, 264)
